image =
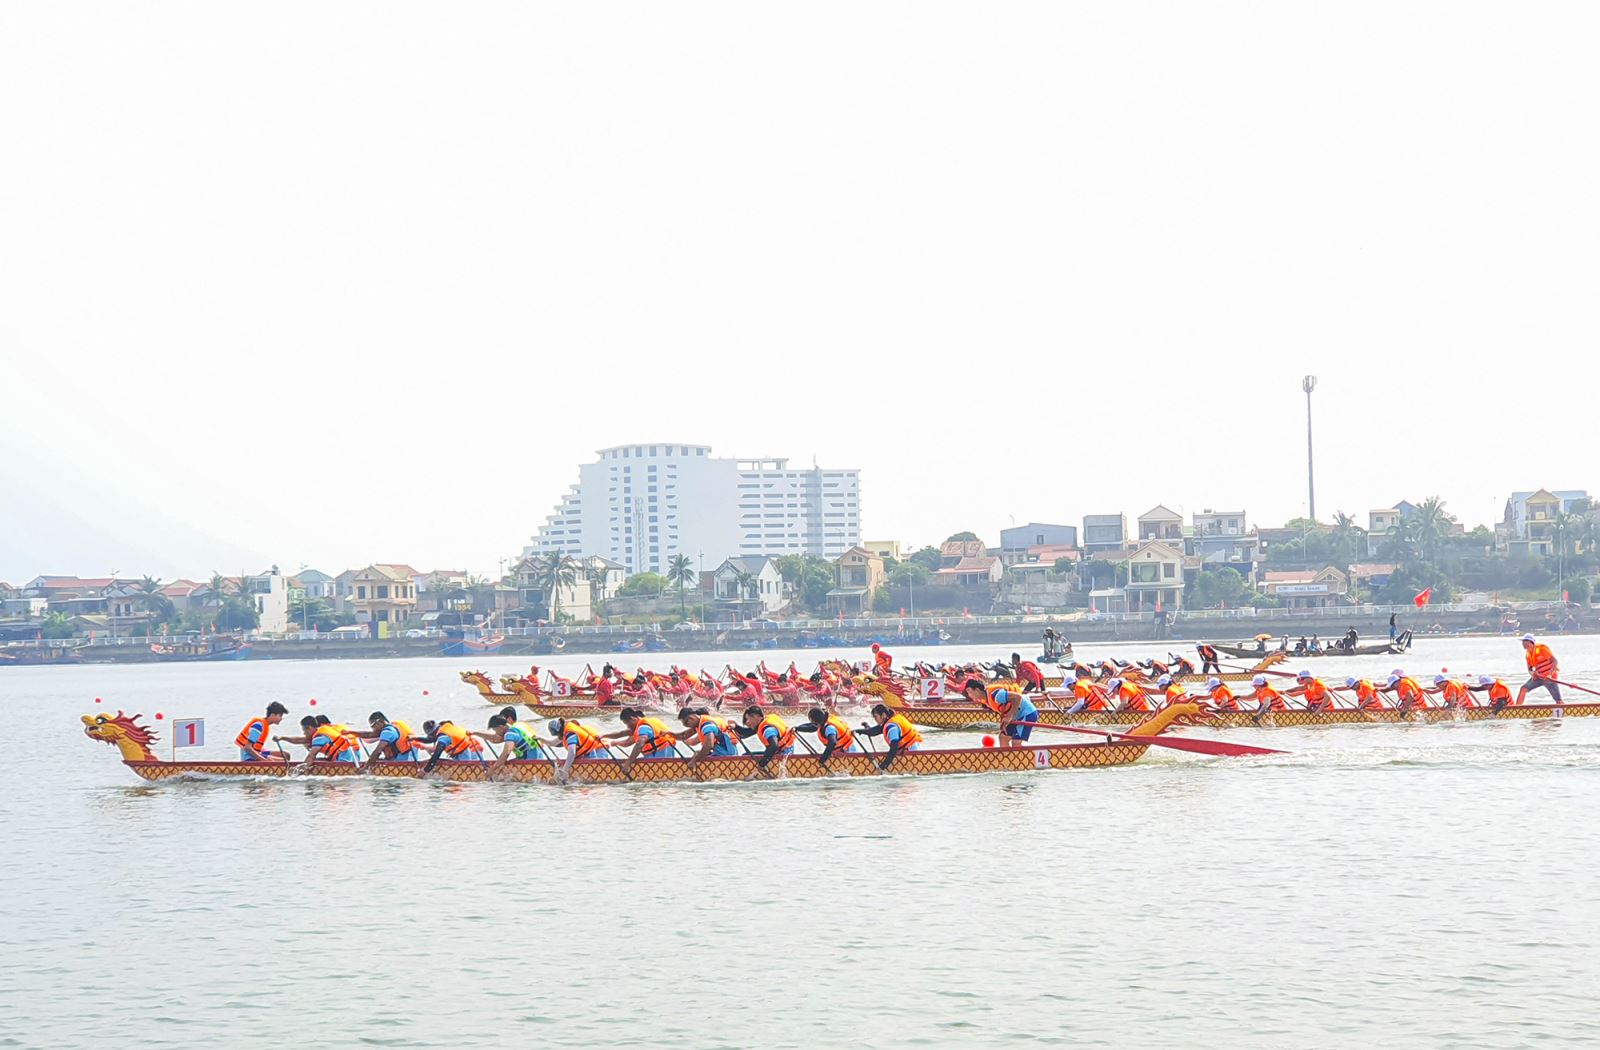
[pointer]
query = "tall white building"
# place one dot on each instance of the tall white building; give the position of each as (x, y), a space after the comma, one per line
(641, 504)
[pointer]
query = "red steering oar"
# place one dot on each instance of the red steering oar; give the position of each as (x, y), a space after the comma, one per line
(1201, 747)
(1579, 688)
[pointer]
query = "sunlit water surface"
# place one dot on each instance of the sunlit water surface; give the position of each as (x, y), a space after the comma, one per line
(1428, 886)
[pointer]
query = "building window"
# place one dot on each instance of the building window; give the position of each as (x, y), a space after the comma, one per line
(361, 592)
(383, 590)
(1166, 571)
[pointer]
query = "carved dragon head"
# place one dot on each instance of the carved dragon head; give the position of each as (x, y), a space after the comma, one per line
(131, 738)
(1184, 713)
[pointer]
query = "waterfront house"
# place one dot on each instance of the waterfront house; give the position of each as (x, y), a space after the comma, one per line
(952, 551)
(606, 577)
(383, 595)
(1104, 532)
(1366, 577)
(575, 599)
(888, 550)
(857, 574)
(749, 587)
(1160, 523)
(975, 571)
(1155, 578)
(315, 584)
(1016, 541)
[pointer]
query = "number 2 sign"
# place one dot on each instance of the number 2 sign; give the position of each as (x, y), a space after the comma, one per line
(932, 689)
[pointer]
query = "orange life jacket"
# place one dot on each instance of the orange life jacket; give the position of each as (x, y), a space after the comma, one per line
(461, 741)
(991, 703)
(785, 734)
(588, 740)
(1541, 661)
(1499, 691)
(404, 743)
(1408, 690)
(714, 722)
(1134, 698)
(1456, 694)
(1367, 697)
(336, 740)
(1208, 654)
(908, 732)
(1273, 699)
(1094, 697)
(243, 739)
(1176, 694)
(663, 739)
(1223, 697)
(846, 738)
(1317, 695)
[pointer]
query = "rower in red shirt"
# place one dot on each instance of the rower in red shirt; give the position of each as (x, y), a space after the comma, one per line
(605, 689)
(1028, 674)
(882, 662)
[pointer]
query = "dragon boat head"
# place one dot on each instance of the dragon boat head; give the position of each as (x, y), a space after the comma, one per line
(131, 738)
(888, 692)
(1185, 713)
(478, 680)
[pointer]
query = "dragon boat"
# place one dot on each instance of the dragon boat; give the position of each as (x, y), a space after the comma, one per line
(518, 691)
(134, 742)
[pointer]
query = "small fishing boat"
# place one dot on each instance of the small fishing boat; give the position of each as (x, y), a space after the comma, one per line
(1256, 649)
(197, 648)
(458, 643)
(25, 656)
(133, 741)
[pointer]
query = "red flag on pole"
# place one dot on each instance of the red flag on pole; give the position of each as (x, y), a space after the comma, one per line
(1423, 597)
(1564, 597)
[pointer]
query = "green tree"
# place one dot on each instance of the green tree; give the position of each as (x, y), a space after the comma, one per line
(680, 573)
(56, 625)
(1401, 545)
(237, 613)
(1432, 525)
(152, 601)
(1218, 587)
(643, 585)
(962, 537)
(909, 574)
(929, 558)
(1578, 589)
(559, 571)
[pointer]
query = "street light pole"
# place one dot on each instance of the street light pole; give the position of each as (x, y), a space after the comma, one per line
(1308, 384)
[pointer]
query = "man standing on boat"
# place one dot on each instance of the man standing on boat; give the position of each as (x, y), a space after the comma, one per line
(1208, 659)
(257, 732)
(1028, 674)
(1542, 669)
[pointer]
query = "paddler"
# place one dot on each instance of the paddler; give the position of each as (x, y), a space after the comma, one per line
(1087, 694)
(772, 732)
(1367, 696)
(896, 731)
(1028, 674)
(882, 662)
(1017, 714)
(257, 733)
(1317, 695)
(649, 737)
(579, 741)
(1171, 691)
(1128, 696)
(328, 741)
(715, 735)
(1220, 696)
(1266, 698)
(1406, 689)
(1542, 670)
(1455, 692)
(833, 733)
(1499, 693)
(451, 742)
(605, 687)
(1181, 665)
(393, 740)
(518, 739)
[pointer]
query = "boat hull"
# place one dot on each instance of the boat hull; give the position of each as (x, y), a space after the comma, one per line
(970, 716)
(677, 770)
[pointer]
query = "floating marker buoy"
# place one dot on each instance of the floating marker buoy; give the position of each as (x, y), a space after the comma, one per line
(159, 716)
(424, 692)
(97, 699)
(988, 741)
(313, 701)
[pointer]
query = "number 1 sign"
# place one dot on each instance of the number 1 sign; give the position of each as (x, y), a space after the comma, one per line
(188, 732)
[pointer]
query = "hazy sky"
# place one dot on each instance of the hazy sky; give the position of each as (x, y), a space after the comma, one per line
(339, 283)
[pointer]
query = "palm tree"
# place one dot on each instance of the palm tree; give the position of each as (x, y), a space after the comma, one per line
(680, 571)
(1401, 545)
(557, 572)
(1432, 523)
(216, 584)
(153, 601)
(745, 582)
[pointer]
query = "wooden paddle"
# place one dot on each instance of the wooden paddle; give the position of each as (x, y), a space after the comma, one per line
(1200, 747)
(1572, 685)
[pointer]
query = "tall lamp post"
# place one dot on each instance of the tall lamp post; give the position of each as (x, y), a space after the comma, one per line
(1308, 384)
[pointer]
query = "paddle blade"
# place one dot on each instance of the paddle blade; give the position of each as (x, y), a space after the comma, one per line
(1207, 747)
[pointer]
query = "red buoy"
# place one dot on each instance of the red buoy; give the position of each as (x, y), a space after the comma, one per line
(97, 699)
(159, 716)
(424, 692)
(988, 741)
(313, 701)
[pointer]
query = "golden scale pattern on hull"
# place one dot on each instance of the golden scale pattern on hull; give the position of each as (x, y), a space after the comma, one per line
(965, 716)
(546, 706)
(665, 770)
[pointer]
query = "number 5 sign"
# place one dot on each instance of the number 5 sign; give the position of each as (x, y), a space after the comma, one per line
(931, 689)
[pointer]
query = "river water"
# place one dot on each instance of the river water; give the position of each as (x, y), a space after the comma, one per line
(1419, 886)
